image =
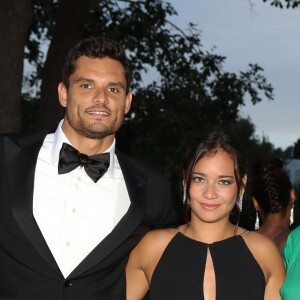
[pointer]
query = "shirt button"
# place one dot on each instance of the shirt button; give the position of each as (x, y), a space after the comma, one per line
(74, 210)
(68, 243)
(67, 283)
(78, 179)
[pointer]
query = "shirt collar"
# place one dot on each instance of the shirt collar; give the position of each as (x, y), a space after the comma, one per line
(60, 138)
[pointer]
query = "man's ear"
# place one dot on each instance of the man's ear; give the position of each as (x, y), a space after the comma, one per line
(62, 94)
(128, 101)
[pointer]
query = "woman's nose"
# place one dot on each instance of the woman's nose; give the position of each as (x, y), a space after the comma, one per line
(209, 191)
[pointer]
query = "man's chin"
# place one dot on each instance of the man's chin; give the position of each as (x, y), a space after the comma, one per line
(96, 133)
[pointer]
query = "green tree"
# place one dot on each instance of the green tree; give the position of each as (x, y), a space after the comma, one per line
(288, 153)
(285, 3)
(191, 89)
(297, 149)
(186, 87)
(15, 20)
(152, 42)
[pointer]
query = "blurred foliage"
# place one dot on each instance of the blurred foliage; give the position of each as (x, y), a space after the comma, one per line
(296, 151)
(286, 3)
(185, 87)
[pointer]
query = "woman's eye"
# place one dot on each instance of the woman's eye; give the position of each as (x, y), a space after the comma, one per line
(198, 179)
(225, 182)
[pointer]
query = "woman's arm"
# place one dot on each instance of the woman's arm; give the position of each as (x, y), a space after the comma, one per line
(277, 274)
(136, 281)
(143, 260)
(268, 256)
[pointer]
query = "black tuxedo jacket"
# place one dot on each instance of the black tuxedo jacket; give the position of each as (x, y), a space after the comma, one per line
(28, 271)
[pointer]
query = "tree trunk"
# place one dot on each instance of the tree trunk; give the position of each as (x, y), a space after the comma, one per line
(15, 20)
(68, 30)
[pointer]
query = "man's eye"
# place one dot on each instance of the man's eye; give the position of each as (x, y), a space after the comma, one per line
(113, 90)
(86, 86)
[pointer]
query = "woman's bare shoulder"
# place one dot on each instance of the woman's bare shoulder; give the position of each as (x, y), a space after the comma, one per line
(265, 252)
(158, 237)
(143, 260)
(259, 244)
(258, 240)
(150, 249)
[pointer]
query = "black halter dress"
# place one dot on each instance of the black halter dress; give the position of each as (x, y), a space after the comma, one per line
(180, 272)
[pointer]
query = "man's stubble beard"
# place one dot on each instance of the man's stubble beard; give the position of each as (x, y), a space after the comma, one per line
(94, 131)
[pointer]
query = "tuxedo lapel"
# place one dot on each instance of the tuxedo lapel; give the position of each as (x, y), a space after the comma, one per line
(21, 163)
(23, 158)
(136, 185)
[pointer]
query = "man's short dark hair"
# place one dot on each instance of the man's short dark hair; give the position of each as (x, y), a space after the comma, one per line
(96, 47)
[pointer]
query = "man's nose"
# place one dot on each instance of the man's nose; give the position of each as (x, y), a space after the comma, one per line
(100, 96)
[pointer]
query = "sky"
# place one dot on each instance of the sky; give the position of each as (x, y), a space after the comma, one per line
(261, 34)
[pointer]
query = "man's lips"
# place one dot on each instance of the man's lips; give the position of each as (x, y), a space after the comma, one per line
(98, 113)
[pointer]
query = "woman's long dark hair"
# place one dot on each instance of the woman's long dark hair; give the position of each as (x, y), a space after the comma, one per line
(206, 145)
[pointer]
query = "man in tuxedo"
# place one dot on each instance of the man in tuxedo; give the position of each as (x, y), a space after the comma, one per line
(72, 206)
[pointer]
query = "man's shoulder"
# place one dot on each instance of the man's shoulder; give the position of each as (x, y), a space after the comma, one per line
(22, 138)
(12, 136)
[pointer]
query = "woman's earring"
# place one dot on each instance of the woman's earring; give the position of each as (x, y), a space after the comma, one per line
(184, 195)
(292, 215)
(240, 203)
(256, 221)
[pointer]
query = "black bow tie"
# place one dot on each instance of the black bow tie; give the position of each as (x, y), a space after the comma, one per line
(95, 165)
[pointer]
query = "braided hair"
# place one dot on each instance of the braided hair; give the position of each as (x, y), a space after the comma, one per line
(271, 187)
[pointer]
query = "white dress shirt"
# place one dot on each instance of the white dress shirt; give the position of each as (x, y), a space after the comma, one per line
(73, 213)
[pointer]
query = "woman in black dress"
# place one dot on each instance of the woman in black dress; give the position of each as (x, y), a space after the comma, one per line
(209, 257)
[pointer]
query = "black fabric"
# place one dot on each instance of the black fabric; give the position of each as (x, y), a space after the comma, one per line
(180, 271)
(95, 165)
(28, 270)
